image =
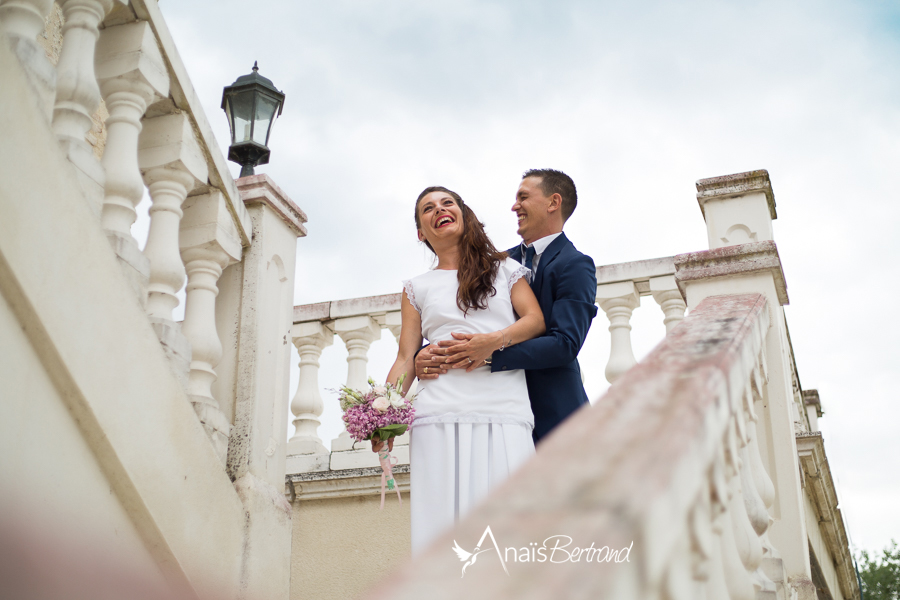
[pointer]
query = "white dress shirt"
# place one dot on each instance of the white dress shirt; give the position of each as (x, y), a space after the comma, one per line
(539, 247)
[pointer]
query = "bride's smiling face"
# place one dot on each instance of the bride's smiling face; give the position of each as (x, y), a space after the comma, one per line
(440, 217)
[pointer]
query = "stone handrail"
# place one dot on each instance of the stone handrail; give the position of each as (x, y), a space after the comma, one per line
(120, 52)
(664, 473)
(619, 290)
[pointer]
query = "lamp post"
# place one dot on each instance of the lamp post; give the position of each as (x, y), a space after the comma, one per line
(251, 103)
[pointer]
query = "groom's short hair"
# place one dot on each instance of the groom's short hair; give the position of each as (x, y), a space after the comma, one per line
(557, 182)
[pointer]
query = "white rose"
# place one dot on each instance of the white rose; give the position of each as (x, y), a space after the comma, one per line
(381, 404)
(396, 400)
(379, 390)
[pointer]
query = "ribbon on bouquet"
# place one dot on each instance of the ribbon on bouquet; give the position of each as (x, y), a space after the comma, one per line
(387, 475)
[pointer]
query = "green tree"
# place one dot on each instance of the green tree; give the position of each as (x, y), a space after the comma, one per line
(881, 575)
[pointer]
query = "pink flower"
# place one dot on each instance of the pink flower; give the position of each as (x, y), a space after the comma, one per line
(381, 404)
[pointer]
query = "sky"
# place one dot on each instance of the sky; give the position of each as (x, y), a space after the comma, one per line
(636, 101)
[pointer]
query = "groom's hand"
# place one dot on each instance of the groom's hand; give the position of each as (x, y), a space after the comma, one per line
(429, 364)
(469, 350)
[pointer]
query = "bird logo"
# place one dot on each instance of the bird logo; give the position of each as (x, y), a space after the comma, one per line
(466, 557)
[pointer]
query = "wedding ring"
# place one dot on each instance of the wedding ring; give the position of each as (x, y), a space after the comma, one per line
(470, 361)
(426, 370)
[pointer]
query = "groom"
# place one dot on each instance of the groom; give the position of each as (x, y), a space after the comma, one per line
(565, 283)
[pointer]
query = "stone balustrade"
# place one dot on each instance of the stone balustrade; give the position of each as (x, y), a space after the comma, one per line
(619, 291)
(357, 322)
(667, 465)
(181, 425)
(158, 139)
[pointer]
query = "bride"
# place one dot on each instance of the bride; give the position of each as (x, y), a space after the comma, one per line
(472, 427)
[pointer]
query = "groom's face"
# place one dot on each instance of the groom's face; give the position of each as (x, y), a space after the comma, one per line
(531, 210)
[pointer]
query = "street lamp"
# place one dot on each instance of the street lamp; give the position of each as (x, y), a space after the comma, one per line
(251, 103)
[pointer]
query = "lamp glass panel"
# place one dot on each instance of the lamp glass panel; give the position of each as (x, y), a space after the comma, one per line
(228, 114)
(241, 114)
(265, 112)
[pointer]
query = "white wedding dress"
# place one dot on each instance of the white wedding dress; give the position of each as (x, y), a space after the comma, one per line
(471, 429)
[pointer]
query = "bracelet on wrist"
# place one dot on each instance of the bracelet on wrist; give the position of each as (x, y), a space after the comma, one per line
(503, 345)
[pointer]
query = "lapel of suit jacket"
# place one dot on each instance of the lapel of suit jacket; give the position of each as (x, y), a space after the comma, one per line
(547, 257)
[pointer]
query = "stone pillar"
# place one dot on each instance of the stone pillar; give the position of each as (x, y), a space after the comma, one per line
(618, 301)
(209, 241)
(358, 334)
(132, 74)
(738, 208)
(257, 316)
(172, 164)
(77, 92)
(310, 339)
(666, 293)
(21, 21)
(813, 408)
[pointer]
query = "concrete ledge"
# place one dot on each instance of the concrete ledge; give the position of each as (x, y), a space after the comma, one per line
(353, 307)
(638, 271)
(743, 259)
(739, 184)
(342, 484)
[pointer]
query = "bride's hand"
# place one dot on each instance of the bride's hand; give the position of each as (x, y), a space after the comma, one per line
(469, 350)
(377, 444)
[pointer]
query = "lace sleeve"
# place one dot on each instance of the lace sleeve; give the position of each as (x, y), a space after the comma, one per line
(518, 274)
(411, 294)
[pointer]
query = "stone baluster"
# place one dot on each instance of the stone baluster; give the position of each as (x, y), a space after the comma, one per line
(77, 91)
(172, 164)
(772, 567)
(618, 301)
(209, 242)
(21, 21)
(358, 334)
(392, 322)
(749, 516)
(732, 536)
(132, 74)
(706, 540)
(310, 339)
(665, 292)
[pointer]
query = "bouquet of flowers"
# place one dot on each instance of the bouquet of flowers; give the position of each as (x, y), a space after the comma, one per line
(381, 411)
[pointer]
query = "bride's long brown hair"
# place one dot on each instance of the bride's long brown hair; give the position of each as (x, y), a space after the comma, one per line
(479, 260)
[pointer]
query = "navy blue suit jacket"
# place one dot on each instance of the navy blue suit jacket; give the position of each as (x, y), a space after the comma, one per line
(566, 287)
